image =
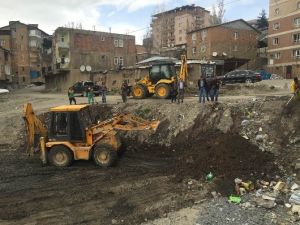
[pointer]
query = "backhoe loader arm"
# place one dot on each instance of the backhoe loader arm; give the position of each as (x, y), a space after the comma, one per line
(183, 68)
(33, 126)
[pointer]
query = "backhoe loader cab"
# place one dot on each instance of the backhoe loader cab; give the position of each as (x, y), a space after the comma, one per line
(73, 135)
(161, 71)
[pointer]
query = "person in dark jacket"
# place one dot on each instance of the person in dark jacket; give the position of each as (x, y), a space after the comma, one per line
(180, 90)
(214, 92)
(202, 89)
(174, 92)
(71, 96)
(124, 90)
(207, 89)
(103, 91)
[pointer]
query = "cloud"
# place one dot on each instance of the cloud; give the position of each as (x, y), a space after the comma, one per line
(51, 14)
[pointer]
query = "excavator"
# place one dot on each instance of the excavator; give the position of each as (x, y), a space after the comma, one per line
(72, 135)
(161, 77)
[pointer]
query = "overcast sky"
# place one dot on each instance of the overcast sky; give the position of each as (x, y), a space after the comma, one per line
(123, 16)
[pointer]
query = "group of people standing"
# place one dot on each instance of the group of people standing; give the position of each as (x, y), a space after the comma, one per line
(208, 89)
(89, 94)
(177, 89)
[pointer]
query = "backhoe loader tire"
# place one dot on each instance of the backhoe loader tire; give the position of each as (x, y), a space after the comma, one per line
(139, 91)
(162, 91)
(104, 155)
(60, 156)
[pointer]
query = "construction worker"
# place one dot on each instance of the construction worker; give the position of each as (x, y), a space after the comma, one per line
(174, 92)
(295, 87)
(214, 92)
(90, 95)
(180, 91)
(124, 91)
(202, 89)
(71, 96)
(103, 91)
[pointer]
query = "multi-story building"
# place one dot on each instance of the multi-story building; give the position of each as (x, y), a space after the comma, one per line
(5, 67)
(284, 37)
(170, 28)
(30, 56)
(85, 55)
(231, 45)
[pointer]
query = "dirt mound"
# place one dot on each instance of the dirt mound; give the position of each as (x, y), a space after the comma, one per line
(227, 156)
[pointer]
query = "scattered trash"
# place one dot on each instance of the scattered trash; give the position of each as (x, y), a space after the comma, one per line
(288, 205)
(295, 198)
(268, 204)
(295, 187)
(296, 209)
(245, 123)
(266, 197)
(279, 186)
(235, 199)
(209, 176)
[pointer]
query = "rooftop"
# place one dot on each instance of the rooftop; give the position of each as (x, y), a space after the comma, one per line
(177, 9)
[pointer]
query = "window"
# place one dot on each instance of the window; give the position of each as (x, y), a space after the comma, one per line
(276, 26)
(180, 31)
(116, 43)
(121, 43)
(180, 38)
(194, 50)
(2, 43)
(102, 38)
(296, 53)
(296, 38)
(298, 5)
(116, 61)
(203, 49)
(277, 11)
(277, 55)
(275, 41)
(297, 22)
(204, 34)
(22, 37)
(194, 36)
(236, 35)
(62, 38)
(235, 48)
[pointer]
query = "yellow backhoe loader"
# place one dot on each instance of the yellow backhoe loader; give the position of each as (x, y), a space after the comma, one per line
(161, 77)
(71, 135)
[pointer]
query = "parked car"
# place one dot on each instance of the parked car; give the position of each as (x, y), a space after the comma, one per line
(240, 76)
(81, 87)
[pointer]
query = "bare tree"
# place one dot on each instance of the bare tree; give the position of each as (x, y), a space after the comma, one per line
(217, 14)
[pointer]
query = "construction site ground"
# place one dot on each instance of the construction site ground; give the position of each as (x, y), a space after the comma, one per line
(160, 178)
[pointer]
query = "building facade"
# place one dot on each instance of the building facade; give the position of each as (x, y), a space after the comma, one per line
(87, 55)
(284, 38)
(170, 28)
(29, 54)
(5, 67)
(230, 45)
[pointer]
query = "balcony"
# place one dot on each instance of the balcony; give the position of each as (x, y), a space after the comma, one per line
(262, 52)
(63, 45)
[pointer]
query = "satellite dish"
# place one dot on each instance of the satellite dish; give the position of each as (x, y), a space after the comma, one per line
(82, 68)
(58, 60)
(88, 68)
(67, 60)
(214, 54)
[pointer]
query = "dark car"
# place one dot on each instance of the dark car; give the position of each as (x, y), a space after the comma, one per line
(240, 76)
(81, 87)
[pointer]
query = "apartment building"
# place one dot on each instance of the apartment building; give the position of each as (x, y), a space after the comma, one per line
(87, 55)
(284, 38)
(230, 45)
(5, 67)
(30, 53)
(170, 28)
